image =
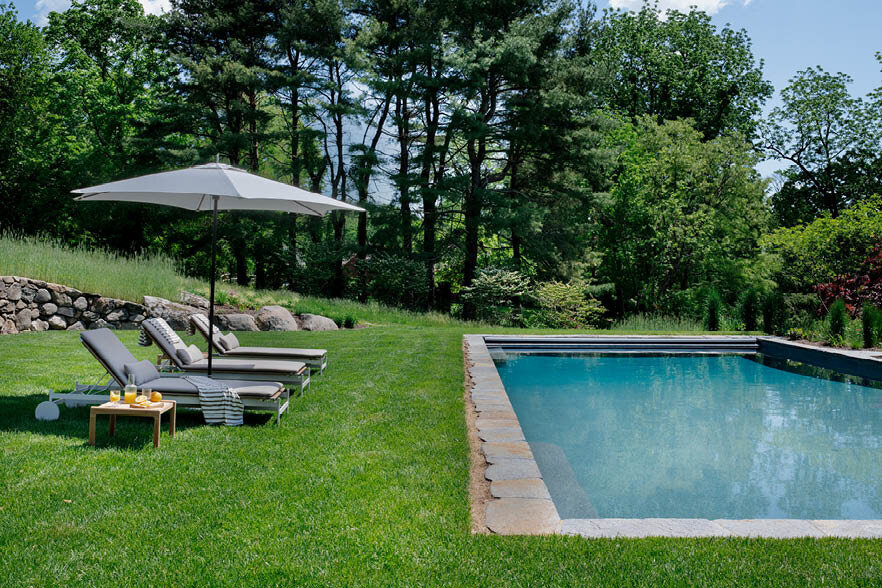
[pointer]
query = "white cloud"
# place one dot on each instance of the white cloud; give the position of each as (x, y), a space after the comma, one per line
(709, 6)
(44, 7)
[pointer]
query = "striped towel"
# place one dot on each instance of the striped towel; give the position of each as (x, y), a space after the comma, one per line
(220, 404)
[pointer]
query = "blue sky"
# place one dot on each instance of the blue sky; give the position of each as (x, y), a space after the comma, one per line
(789, 35)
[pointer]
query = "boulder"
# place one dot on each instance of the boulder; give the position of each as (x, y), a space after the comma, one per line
(91, 316)
(39, 325)
(133, 308)
(42, 296)
(237, 322)
(275, 318)
(316, 322)
(61, 299)
(7, 327)
(115, 316)
(28, 293)
(100, 324)
(8, 279)
(66, 311)
(21, 304)
(7, 306)
(137, 319)
(77, 326)
(13, 293)
(49, 309)
(56, 323)
(175, 314)
(81, 303)
(103, 305)
(23, 320)
(193, 300)
(35, 313)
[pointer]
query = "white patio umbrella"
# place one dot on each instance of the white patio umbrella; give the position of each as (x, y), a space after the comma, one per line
(214, 186)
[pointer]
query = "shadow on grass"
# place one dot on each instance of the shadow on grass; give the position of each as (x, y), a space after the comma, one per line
(17, 415)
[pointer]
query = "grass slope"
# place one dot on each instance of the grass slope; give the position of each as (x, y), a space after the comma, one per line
(364, 483)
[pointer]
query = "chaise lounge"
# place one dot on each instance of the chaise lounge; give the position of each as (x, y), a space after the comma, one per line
(228, 346)
(104, 345)
(180, 357)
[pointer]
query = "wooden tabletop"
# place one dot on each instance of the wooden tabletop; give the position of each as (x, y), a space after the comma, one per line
(121, 407)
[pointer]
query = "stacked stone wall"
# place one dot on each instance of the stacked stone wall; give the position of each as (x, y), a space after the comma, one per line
(35, 305)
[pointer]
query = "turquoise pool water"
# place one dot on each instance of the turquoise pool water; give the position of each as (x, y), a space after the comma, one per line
(698, 436)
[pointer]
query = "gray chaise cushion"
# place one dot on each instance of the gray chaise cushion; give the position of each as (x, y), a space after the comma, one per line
(143, 371)
(110, 351)
(282, 353)
(245, 366)
(241, 387)
(228, 341)
(189, 355)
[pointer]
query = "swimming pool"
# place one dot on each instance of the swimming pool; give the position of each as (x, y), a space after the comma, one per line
(698, 436)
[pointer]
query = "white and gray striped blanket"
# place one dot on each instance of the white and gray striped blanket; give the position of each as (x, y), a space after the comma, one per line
(220, 404)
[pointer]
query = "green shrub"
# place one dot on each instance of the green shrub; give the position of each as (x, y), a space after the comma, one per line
(836, 320)
(749, 309)
(495, 294)
(565, 305)
(395, 280)
(870, 320)
(349, 322)
(774, 313)
(646, 322)
(712, 311)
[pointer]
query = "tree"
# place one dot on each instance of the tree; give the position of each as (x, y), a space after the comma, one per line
(827, 137)
(679, 211)
(26, 125)
(223, 51)
(680, 66)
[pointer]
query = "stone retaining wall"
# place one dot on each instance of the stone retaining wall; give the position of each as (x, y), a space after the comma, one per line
(35, 305)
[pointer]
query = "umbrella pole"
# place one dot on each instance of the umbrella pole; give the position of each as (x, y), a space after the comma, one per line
(211, 287)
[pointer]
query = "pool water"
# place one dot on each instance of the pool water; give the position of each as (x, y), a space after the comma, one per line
(698, 436)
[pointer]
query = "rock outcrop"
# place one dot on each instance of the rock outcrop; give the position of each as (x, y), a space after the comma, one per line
(275, 318)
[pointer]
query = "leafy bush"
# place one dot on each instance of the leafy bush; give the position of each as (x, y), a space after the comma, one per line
(565, 305)
(349, 322)
(495, 293)
(713, 310)
(394, 280)
(827, 247)
(870, 325)
(837, 318)
(774, 314)
(749, 309)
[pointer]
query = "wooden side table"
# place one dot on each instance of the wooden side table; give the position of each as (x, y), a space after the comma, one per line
(114, 409)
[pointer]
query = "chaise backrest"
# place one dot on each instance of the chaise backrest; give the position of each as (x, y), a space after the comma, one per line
(200, 322)
(164, 337)
(109, 351)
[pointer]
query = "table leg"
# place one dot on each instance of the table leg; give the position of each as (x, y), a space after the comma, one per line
(112, 425)
(156, 421)
(173, 420)
(91, 428)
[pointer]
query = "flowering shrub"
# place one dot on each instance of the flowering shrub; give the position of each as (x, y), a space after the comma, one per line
(854, 290)
(565, 305)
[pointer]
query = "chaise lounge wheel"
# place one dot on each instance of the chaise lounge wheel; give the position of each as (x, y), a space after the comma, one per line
(47, 411)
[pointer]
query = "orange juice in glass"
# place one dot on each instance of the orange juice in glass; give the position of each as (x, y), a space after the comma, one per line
(114, 395)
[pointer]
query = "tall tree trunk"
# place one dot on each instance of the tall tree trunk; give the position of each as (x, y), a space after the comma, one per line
(403, 119)
(294, 107)
(472, 210)
(429, 197)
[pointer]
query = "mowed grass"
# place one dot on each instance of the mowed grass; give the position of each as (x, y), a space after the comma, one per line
(364, 483)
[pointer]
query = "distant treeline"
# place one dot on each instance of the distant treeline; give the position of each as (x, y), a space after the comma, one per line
(612, 152)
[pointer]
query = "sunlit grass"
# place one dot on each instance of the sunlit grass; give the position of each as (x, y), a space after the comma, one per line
(92, 270)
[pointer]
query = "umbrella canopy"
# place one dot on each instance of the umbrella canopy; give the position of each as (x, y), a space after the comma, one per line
(193, 188)
(214, 186)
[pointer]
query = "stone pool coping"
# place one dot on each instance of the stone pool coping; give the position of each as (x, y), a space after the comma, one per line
(520, 503)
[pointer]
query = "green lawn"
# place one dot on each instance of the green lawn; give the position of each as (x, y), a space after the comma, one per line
(364, 483)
